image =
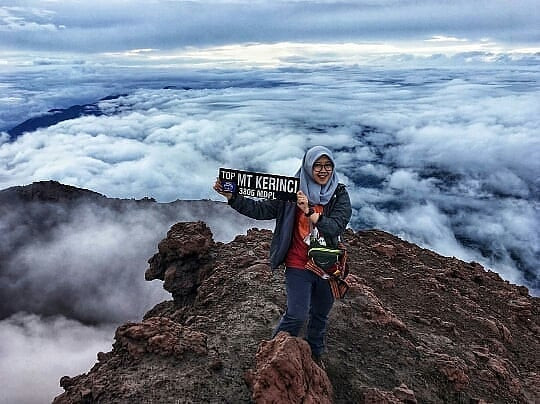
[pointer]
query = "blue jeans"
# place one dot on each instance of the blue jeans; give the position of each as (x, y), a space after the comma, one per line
(309, 297)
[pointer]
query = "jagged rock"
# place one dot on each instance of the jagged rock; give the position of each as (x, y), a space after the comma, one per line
(135, 344)
(405, 394)
(373, 309)
(161, 336)
(414, 327)
(385, 249)
(182, 260)
(285, 373)
(531, 386)
(377, 396)
(49, 191)
(399, 395)
(454, 369)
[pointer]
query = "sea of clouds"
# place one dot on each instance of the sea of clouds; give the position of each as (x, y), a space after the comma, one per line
(447, 158)
(444, 157)
(37, 351)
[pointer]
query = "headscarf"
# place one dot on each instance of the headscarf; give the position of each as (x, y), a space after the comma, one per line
(317, 194)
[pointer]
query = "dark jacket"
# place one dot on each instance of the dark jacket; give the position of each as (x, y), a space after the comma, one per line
(336, 215)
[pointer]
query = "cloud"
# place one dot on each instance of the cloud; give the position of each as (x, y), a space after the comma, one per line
(174, 24)
(26, 19)
(78, 271)
(88, 262)
(83, 263)
(442, 38)
(430, 108)
(440, 141)
(36, 352)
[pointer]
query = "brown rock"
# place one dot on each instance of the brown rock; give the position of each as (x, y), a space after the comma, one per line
(385, 249)
(185, 241)
(66, 381)
(285, 373)
(454, 369)
(505, 333)
(186, 238)
(498, 366)
(481, 352)
(371, 305)
(259, 270)
(531, 387)
(387, 283)
(376, 396)
(405, 394)
(182, 261)
(161, 336)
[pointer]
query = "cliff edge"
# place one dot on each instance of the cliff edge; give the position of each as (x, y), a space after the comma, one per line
(414, 327)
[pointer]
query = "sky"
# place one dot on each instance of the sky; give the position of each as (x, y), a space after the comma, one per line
(164, 29)
(432, 109)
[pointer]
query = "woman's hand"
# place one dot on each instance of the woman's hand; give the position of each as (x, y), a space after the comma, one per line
(302, 201)
(219, 189)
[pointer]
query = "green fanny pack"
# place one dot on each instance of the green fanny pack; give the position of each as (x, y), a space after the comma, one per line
(323, 257)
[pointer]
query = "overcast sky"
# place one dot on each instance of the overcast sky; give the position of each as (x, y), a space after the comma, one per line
(169, 26)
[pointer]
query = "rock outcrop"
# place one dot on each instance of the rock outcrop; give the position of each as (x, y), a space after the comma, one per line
(182, 261)
(285, 373)
(415, 327)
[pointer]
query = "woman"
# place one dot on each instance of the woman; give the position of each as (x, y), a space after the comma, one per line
(322, 210)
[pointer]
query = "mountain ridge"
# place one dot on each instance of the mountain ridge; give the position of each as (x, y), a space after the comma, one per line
(57, 115)
(414, 327)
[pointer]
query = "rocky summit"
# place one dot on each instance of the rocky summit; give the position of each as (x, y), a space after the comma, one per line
(414, 327)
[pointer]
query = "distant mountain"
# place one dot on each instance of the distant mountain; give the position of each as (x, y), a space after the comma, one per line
(415, 327)
(54, 116)
(48, 191)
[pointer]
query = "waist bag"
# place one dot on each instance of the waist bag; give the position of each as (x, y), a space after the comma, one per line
(331, 264)
(324, 257)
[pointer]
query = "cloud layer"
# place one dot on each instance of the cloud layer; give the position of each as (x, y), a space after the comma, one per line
(36, 352)
(444, 157)
(431, 108)
(87, 262)
(73, 26)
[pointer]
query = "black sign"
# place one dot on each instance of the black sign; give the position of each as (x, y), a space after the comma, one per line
(259, 185)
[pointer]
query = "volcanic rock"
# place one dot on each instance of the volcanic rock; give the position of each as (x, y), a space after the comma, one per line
(285, 373)
(182, 259)
(161, 336)
(414, 327)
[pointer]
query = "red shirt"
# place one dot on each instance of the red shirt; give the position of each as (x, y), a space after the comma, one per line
(297, 256)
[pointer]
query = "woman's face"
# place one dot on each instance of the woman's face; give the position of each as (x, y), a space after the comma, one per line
(322, 170)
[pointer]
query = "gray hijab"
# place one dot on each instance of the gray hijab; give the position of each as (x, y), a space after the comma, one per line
(317, 194)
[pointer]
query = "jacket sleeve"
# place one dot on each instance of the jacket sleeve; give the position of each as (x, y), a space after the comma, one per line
(262, 210)
(334, 223)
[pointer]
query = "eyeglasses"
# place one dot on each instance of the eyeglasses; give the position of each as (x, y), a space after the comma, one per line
(327, 166)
